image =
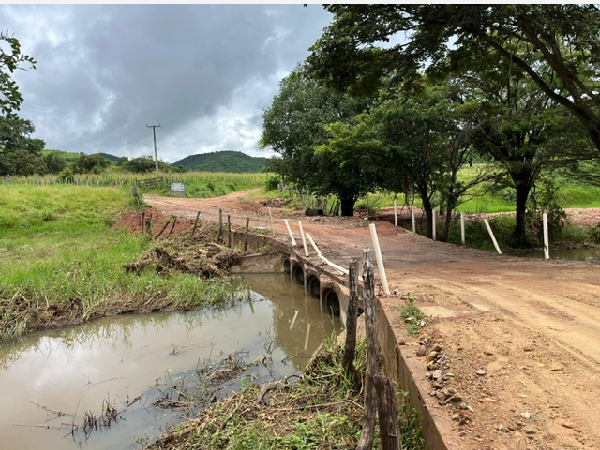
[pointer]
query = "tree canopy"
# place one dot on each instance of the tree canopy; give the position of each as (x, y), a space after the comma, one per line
(11, 59)
(295, 125)
(366, 41)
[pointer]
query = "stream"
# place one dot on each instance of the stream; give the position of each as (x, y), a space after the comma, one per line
(119, 382)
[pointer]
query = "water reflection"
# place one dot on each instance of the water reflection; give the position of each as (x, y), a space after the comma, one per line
(51, 379)
(589, 255)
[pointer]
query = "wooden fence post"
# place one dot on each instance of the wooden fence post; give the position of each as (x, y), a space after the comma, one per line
(229, 229)
(220, 226)
(246, 237)
(349, 348)
(368, 431)
(196, 223)
(388, 413)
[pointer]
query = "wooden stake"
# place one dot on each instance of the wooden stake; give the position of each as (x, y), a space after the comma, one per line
(229, 229)
(173, 226)
(368, 431)
(196, 223)
(388, 413)
(350, 346)
(271, 219)
(246, 237)
(220, 226)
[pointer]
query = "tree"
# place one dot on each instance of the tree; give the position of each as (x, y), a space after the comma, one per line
(11, 59)
(143, 164)
(365, 41)
(522, 129)
(295, 125)
(89, 164)
(19, 152)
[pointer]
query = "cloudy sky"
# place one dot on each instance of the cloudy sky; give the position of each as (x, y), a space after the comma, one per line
(204, 73)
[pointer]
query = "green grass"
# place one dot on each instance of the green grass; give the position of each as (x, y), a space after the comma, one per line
(66, 266)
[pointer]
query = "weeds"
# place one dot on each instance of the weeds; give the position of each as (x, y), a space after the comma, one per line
(411, 315)
(322, 410)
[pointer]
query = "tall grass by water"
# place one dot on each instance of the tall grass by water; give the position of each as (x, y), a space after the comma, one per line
(62, 263)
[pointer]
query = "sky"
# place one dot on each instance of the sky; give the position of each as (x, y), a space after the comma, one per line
(204, 73)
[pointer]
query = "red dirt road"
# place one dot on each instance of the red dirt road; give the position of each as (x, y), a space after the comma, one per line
(520, 338)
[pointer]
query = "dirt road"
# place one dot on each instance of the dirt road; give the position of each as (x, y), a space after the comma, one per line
(520, 338)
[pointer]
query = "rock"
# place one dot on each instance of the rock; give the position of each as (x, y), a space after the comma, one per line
(436, 375)
(529, 348)
(481, 372)
(437, 348)
(526, 415)
(432, 356)
(422, 350)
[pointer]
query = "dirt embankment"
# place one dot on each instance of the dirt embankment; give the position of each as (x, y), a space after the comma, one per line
(515, 342)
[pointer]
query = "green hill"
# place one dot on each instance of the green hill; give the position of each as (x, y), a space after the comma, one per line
(222, 161)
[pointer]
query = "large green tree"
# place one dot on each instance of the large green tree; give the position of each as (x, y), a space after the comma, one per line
(20, 154)
(366, 41)
(11, 59)
(295, 125)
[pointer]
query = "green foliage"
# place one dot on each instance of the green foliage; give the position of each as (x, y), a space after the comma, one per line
(295, 125)
(272, 183)
(223, 161)
(445, 38)
(60, 254)
(11, 59)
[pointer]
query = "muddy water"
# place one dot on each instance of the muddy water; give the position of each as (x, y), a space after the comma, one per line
(589, 255)
(51, 381)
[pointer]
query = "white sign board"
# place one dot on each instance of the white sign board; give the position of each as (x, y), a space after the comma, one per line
(177, 187)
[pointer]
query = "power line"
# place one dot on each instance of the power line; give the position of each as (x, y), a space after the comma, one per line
(154, 127)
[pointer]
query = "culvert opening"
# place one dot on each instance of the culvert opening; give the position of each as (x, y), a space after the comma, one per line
(286, 265)
(332, 303)
(314, 287)
(298, 274)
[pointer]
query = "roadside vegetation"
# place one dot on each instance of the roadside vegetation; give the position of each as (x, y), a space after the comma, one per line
(319, 410)
(63, 263)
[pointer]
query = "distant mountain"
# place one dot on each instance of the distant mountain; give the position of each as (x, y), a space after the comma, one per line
(74, 156)
(111, 158)
(222, 161)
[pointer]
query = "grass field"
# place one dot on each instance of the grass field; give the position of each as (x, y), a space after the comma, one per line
(62, 263)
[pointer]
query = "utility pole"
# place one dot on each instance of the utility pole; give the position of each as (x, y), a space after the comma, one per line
(154, 127)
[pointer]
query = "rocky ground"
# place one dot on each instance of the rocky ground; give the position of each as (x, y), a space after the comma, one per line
(509, 354)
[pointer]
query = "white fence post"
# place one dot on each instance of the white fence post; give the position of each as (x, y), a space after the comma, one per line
(546, 249)
(462, 229)
(375, 240)
(492, 236)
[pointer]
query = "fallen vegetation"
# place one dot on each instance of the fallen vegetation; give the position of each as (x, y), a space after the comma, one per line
(322, 409)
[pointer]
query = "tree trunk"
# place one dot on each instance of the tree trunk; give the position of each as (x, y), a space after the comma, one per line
(523, 184)
(347, 205)
(447, 223)
(429, 214)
